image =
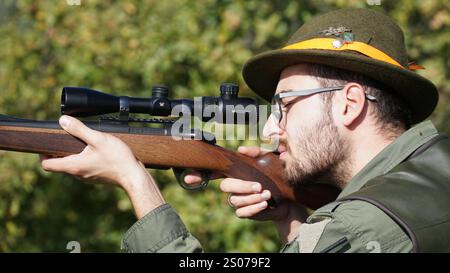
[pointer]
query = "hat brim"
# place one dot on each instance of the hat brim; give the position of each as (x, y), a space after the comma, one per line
(262, 73)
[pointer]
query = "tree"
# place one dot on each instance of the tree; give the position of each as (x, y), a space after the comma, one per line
(126, 47)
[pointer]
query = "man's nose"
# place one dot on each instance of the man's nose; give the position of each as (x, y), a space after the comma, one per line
(271, 128)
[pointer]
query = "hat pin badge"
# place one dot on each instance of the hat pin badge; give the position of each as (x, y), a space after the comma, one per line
(343, 35)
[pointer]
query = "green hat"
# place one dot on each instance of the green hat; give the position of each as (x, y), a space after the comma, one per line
(359, 40)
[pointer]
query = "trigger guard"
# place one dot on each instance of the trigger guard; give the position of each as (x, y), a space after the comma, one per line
(181, 173)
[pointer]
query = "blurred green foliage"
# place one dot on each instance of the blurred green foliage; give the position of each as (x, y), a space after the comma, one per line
(126, 47)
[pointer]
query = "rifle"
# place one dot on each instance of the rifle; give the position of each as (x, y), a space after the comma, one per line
(160, 147)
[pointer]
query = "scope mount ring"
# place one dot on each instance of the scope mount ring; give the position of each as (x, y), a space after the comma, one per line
(124, 108)
(181, 173)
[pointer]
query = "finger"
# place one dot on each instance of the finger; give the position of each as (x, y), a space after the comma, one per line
(44, 157)
(193, 178)
(79, 178)
(65, 164)
(252, 151)
(232, 185)
(196, 177)
(239, 201)
(76, 128)
(249, 211)
(249, 151)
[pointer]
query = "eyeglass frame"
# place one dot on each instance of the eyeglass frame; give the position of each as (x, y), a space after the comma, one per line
(276, 100)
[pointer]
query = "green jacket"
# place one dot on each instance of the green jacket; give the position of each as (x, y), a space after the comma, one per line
(352, 223)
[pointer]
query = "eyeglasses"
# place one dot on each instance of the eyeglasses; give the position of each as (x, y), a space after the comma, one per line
(278, 107)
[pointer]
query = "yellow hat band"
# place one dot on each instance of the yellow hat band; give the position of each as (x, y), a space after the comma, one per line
(337, 44)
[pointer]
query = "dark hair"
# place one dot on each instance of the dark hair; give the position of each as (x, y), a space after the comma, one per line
(392, 114)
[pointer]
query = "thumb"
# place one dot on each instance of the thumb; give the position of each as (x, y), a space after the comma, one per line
(250, 151)
(76, 128)
(65, 164)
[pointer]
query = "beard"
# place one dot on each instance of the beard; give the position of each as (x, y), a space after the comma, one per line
(317, 154)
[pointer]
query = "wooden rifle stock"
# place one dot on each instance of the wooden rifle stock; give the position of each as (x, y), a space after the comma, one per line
(165, 151)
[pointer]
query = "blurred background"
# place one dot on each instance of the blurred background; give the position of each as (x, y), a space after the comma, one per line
(125, 47)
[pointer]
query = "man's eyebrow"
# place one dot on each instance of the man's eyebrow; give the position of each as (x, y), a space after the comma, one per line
(284, 91)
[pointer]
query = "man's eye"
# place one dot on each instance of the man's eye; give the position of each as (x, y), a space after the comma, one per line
(286, 106)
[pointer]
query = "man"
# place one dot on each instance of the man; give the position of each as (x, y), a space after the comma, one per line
(345, 99)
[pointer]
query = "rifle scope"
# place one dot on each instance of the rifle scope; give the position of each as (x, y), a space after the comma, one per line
(83, 102)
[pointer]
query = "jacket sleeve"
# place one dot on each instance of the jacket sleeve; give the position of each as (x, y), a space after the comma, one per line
(161, 230)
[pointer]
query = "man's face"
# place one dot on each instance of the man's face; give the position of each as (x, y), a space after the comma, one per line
(311, 146)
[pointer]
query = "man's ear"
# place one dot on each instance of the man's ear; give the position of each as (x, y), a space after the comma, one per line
(352, 102)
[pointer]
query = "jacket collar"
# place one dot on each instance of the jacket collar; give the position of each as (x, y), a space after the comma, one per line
(392, 155)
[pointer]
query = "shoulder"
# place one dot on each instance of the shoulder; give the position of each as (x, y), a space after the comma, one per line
(364, 226)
